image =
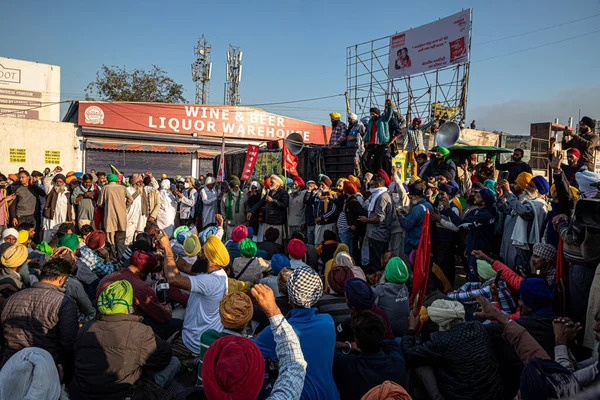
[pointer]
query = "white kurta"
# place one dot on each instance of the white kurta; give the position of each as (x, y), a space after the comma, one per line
(136, 222)
(209, 205)
(60, 216)
(167, 213)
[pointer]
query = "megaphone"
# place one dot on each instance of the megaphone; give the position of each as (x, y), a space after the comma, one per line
(295, 142)
(449, 134)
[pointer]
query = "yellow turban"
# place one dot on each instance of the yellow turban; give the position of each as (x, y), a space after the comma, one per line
(523, 179)
(574, 190)
(216, 252)
(335, 116)
(14, 256)
(354, 180)
(23, 237)
(116, 298)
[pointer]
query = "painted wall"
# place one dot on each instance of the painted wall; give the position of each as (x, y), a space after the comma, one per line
(40, 140)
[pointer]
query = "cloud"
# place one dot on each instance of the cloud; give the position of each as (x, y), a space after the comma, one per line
(516, 116)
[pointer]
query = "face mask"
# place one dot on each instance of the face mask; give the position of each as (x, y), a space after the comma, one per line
(583, 130)
(186, 185)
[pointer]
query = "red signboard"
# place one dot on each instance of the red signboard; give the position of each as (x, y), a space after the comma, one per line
(250, 163)
(241, 123)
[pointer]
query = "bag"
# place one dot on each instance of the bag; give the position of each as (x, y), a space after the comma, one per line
(245, 268)
(589, 248)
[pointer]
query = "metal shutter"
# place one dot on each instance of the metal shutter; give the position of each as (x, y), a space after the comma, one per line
(132, 162)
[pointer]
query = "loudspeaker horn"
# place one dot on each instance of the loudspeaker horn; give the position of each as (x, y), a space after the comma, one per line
(449, 134)
(295, 142)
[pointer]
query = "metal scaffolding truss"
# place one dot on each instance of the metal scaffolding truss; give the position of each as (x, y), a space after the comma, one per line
(368, 84)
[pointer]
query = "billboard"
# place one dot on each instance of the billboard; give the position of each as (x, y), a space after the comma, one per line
(432, 46)
(516, 142)
(241, 123)
(28, 89)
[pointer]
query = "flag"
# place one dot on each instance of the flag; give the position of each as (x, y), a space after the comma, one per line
(114, 169)
(422, 265)
(250, 163)
(289, 161)
(221, 172)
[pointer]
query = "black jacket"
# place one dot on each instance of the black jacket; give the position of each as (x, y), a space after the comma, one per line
(465, 368)
(355, 374)
(353, 211)
(275, 212)
(539, 327)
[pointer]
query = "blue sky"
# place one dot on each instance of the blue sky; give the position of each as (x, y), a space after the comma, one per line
(296, 50)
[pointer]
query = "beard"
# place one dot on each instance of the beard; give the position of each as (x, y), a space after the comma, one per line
(584, 130)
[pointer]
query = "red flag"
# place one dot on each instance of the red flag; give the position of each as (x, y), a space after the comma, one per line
(290, 161)
(250, 163)
(221, 172)
(422, 265)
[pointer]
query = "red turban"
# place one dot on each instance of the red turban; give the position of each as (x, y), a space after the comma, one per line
(296, 249)
(299, 181)
(349, 188)
(239, 233)
(337, 278)
(418, 120)
(233, 368)
(385, 177)
(144, 261)
(575, 152)
(96, 240)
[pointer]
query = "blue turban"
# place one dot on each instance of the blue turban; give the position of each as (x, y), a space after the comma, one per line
(182, 235)
(541, 184)
(536, 294)
(487, 195)
(444, 187)
(279, 262)
(547, 379)
(360, 295)
(490, 184)
(454, 185)
(250, 232)
(211, 230)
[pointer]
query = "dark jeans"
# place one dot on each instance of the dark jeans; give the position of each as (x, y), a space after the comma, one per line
(28, 219)
(120, 246)
(166, 330)
(443, 256)
(376, 157)
(580, 283)
(376, 251)
(472, 275)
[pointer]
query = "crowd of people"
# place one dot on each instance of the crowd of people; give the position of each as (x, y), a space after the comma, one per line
(467, 280)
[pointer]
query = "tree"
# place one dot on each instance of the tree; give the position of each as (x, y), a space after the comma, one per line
(116, 83)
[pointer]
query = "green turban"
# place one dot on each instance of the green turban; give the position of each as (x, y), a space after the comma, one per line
(234, 181)
(117, 298)
(248, 248)
(112, 178)
(485, 270)
(491, 155)
(70, 241)
(396, 271)
(443, 151)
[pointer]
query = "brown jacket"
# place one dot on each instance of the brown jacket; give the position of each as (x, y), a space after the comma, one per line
(50, 206)
(152, 203)
(115, 199)
(41, 316)
(524, 344)
(112, 352)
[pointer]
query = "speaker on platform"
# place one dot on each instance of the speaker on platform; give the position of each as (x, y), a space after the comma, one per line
(295, 142)
(449, 134)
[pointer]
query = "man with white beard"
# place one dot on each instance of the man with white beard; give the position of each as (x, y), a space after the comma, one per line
(136, 220)
(296, 211)
(275, 204)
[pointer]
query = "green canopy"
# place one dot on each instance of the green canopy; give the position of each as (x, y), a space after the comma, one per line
(476, 149)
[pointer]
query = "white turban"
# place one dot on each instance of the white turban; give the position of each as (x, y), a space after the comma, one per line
(210, 180)
(165, 184)
(353, 117)
(30, 374)
(276, 180)
(584, 180)
(255, 184)
(9, 232)
(344, 259)
(443, 312)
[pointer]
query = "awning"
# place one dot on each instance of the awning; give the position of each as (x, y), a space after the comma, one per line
(208, 154)
(154, 148)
